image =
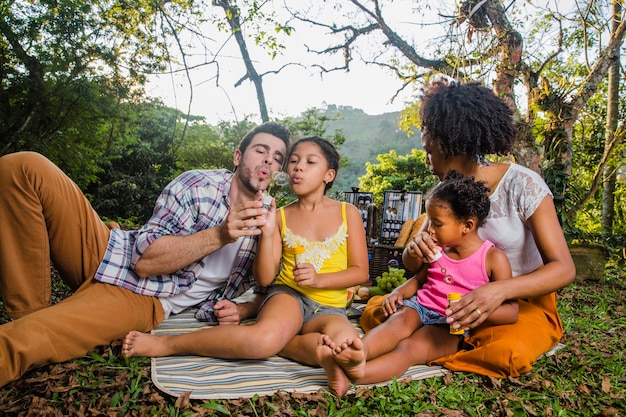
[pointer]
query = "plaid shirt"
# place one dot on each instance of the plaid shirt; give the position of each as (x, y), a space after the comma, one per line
(194, 201)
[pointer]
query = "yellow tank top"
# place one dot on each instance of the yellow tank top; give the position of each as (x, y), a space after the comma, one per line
(329, 255)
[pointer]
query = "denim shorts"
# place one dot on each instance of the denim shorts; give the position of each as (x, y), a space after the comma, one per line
(309, 308)
(427, 316)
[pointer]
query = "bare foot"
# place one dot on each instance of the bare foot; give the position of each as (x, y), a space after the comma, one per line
(143, 344)
(338, 382)
(352, 359)
(326, 340)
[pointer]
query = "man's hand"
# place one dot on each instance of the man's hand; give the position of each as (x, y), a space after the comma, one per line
(170, 253)
(243, 220)
(227, 312)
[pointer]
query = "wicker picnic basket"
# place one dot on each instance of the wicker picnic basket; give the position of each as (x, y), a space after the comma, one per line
(381, 255)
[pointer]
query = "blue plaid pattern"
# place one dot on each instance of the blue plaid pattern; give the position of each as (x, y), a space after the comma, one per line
(194, 201)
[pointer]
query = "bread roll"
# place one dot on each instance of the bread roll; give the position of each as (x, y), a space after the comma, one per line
(405, 233)
(417, 227)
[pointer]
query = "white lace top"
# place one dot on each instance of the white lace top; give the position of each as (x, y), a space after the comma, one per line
(514, 201)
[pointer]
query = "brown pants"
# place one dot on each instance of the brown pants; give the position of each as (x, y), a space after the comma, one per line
(44, 216)
(498, 351)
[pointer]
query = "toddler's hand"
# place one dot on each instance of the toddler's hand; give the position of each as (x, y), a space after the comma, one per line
(391, 303)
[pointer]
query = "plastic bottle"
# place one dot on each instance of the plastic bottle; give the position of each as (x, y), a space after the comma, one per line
(267, 201)
(455, 297)
(297, 254)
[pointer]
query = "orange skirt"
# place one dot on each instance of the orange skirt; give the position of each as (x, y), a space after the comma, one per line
(498, 351)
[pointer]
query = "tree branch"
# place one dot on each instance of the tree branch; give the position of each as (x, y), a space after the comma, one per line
(232, 17)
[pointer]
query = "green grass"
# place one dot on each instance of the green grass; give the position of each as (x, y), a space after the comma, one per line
(586, 378)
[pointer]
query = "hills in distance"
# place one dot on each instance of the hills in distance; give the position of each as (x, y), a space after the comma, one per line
(366, 137)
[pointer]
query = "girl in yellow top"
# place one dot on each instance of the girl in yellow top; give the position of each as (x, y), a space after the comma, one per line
(304, 314)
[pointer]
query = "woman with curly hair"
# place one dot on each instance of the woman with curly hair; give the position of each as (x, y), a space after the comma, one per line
(461, 125)
(456, 207)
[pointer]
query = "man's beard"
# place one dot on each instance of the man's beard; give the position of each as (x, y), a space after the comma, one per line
(246, 179)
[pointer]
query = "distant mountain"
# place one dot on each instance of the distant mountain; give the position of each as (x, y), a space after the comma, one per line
(366, 137)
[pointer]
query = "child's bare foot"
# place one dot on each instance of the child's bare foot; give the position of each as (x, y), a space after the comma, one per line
(338, 382)
(351, 359)
(326, 340)
(143, 344)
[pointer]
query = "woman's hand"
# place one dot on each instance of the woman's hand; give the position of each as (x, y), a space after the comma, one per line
(422, 245)
(476, 306)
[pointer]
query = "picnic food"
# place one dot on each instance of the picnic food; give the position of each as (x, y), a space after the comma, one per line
(352, 294)
(417, 226)
(405, 233)
(391, 279)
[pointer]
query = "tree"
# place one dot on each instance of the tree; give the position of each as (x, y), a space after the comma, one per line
(612, 136)
(585, 204)
(236, 21)
(67, 68)
(484, 41)
(139, 165)
(397, 172)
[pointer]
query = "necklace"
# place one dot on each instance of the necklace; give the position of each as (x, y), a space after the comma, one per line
(447, 278)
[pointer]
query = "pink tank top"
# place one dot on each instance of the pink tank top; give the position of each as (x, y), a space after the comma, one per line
(467, 274)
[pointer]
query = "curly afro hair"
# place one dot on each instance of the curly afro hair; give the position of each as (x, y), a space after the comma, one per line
(466, 197)
(466, 119)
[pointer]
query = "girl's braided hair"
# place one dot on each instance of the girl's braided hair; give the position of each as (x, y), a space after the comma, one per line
(466, 197)
(466, 119)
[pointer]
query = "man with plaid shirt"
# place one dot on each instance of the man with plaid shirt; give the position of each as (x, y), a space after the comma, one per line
(195, 251)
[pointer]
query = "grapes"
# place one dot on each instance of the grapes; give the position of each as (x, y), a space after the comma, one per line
(391, 279)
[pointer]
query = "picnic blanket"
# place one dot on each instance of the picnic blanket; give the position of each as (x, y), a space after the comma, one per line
(209, 378)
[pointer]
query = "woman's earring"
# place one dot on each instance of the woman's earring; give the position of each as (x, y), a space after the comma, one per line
(482, 161)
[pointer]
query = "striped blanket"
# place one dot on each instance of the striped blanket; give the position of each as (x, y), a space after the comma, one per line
(209, 378)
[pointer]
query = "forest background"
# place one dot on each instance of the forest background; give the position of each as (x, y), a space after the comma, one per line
(74, 77)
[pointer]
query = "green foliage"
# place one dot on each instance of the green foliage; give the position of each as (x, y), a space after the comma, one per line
(67, 67)
(135, 170)
(205, 148)
(265, 28)
(312, 122)
(583, 221)
(397, 172)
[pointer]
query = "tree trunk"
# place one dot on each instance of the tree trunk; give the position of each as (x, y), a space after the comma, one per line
(511, 66)
(612, 114)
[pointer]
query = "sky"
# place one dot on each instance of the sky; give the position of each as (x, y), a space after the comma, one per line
(289, 93)
(300, 87)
